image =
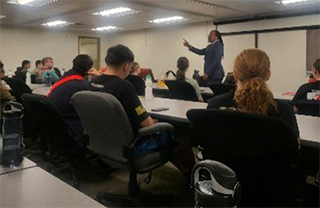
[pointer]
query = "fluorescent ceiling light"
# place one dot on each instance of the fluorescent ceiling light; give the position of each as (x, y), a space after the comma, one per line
(286, 2)
(57, 23)
(169, 20)
(116, 12)
(2, 16)
(107, 28)
(36, 3)
(24, 1)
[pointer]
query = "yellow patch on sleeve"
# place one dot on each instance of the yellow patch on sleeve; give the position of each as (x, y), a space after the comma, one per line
(140, 110)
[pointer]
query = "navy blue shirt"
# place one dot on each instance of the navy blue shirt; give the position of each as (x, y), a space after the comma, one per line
(61, 97)
(213, 54)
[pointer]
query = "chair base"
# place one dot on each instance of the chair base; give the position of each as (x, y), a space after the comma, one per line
(113, 200)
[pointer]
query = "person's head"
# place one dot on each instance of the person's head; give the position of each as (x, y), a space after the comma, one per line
(2, 72)
(47, 62)
(26, 64)
(252, 70)
(135, 69)
(39, 64)
(82, 64)
(214, 35)
(119, 60)
(183, 66)
(316, 69)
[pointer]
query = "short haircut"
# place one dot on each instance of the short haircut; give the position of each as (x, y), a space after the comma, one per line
(118, 55)
(1, 65)
(82, 64)
(25, 62)
(44, 60)
(38, 62)
(316, 65)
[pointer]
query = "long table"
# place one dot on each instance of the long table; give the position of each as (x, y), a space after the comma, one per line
(35, 187)
(177, 108)
(26, 163)
(309, 126)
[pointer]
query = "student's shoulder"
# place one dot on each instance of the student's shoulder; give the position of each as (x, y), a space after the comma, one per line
(283, 107)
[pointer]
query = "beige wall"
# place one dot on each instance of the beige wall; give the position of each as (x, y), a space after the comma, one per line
(17, 44)
(159, 48)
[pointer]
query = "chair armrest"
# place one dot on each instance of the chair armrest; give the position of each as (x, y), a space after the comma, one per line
(162, 126)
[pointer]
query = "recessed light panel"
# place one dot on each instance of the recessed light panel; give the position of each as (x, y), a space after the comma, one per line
(2, 16)
(294, 2)
(106, 28)
(36, 3)
(167, 20)
(57, 23)
(116, 12)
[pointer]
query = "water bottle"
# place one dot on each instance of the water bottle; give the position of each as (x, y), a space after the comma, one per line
(148, 90)
(28, 78)
(47, 80)
(12, 141)
(215, 185)
(196, 76)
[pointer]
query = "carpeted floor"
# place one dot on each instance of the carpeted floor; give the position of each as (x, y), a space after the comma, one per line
(167, 187)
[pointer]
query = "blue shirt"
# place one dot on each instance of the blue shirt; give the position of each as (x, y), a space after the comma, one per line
(61, 97)
(213, 54)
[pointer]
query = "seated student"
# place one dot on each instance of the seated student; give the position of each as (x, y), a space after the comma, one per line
(22, 71)
(119, 60)
(2, 72)
(49, 70)
(71, 82)
(135, 80)
(4, 88)
(38, 68)
(306, 88)
(252, 70)
(183, 66)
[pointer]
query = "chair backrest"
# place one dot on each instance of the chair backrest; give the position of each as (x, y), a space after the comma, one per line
(18, 87)
(258, 148)
(144, 72)
(308, 107)
(105, 122)
(52, 126)
(181, 90)
(219, 89)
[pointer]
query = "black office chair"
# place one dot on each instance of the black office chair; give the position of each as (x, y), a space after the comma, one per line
(18, 88)
(219, 89)
(260, 149)
(111, 137)
(55, 143)
(308, 107)
(181, 90)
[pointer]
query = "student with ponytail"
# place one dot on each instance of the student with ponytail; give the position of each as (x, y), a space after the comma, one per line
(252, 70)
(183, 66)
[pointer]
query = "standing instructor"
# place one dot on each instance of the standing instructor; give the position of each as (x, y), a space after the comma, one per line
(213, 53)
